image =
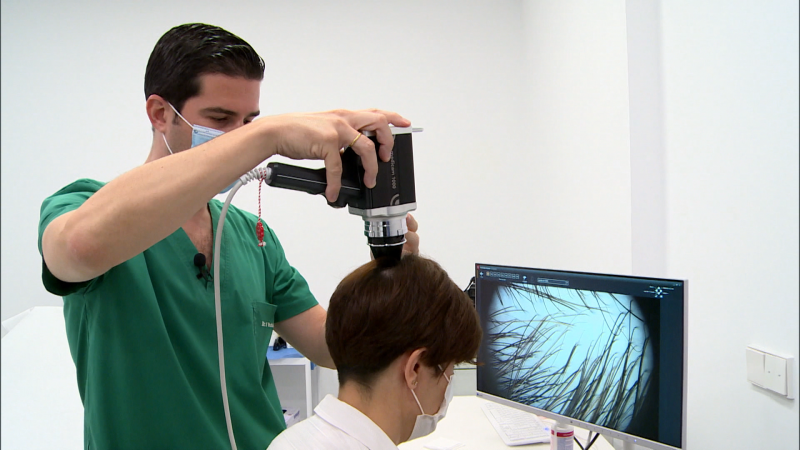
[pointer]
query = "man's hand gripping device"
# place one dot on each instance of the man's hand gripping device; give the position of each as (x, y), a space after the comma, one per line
(383, 208)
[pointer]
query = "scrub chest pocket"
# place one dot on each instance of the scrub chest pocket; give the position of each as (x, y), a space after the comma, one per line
(263, 323)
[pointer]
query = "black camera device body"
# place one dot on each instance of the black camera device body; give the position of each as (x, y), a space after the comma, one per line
(383, 207)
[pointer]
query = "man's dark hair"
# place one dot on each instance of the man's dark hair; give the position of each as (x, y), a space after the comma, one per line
(386, 308)
(187, 51)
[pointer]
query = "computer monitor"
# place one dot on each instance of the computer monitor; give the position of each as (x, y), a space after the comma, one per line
(602, 352)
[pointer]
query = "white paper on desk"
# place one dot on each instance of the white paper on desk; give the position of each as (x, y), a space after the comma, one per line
(443, 444)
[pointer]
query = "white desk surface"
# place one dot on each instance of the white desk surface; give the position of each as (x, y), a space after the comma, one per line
(465, 422)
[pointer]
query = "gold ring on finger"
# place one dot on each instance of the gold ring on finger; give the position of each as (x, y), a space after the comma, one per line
(341, 150)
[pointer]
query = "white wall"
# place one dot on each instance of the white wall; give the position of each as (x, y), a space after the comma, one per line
(731, 137)
(571, 170)
(540, 118)
(73, 106)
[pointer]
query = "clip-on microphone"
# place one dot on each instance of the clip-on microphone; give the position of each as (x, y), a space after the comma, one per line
(200, 262)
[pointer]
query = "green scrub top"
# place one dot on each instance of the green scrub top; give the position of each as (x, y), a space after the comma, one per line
(144, 342)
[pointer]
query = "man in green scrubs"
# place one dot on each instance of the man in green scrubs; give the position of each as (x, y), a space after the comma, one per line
(140, 322)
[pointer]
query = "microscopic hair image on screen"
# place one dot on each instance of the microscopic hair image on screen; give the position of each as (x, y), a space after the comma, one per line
(591, 356)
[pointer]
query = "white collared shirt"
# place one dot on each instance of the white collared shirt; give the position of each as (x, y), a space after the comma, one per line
(335, 425)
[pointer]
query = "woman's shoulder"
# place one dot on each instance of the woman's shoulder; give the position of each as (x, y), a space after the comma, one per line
(317, 434)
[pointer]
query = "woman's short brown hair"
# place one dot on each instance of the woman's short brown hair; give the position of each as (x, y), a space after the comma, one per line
(388, 307)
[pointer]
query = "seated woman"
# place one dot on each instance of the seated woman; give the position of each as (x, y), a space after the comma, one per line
(395, 330)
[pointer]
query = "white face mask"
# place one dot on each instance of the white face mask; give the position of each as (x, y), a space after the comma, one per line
(426, 423)
(200, 135)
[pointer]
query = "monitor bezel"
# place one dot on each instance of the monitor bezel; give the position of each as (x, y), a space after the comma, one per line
(607, 432)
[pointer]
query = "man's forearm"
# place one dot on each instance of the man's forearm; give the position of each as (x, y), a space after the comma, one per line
(306, 333)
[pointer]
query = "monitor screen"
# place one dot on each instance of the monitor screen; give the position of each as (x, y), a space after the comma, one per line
(602, 352)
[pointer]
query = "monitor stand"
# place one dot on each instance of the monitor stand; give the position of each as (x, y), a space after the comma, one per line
(626, 445)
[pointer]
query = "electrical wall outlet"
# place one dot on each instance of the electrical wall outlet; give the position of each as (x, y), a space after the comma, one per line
(770, 371)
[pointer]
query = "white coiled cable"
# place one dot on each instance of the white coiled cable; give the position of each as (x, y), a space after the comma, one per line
(256, 174)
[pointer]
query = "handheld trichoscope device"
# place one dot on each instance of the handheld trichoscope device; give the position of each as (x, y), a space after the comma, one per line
(383, 208)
